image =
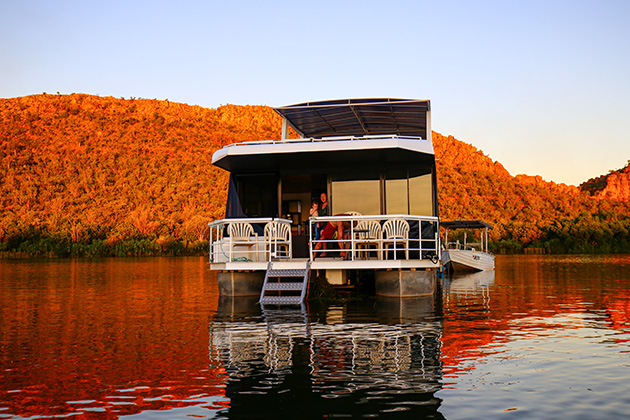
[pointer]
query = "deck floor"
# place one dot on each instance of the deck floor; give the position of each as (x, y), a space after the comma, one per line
(327, 263)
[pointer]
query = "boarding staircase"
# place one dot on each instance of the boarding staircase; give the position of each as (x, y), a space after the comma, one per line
(285, 283)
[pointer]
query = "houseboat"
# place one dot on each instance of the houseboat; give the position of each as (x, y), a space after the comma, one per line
(462, 255)
(368, 166)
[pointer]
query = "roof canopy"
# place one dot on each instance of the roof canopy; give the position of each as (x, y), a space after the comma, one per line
(465, 224)
(359, 117)
(321, 156)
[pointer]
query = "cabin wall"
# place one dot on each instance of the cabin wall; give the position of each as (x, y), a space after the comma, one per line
(384, 191)
(369, 191)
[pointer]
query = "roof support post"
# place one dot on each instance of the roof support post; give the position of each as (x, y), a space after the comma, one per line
(486, 232)
(279, 192)
(285, 130)
(360, 120)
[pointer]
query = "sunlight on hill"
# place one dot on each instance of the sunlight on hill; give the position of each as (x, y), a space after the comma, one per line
(88, 175)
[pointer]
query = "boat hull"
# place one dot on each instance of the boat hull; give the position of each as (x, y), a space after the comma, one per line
(405, 283)
(459, 260)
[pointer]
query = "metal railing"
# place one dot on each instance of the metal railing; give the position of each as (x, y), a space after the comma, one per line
(470, 246)
(385, 237)
(354, 238)
(320, 139)
(231, 240)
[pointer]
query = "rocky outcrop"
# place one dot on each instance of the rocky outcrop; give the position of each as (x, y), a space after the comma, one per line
(613, 186)
(538, 181)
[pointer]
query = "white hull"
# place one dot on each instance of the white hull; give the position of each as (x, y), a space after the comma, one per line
(460, 260)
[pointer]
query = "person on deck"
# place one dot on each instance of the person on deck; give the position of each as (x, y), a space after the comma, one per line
(323, 209)
(327, 234)
(314, 212)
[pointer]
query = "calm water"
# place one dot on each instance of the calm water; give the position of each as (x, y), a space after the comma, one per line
(543, 337)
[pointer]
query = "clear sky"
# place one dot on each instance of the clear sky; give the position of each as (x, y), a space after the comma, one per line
(541, 86)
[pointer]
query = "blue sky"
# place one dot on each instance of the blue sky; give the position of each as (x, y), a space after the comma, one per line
(541, 86)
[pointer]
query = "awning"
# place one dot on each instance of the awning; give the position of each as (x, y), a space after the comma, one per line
(360, 117)
(465, 224)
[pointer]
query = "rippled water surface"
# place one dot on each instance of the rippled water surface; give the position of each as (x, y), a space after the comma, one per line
(543, 337)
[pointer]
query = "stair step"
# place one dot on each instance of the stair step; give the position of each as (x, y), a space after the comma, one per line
(280, 300)
(287, 273)
(284, 286)
(287, 287)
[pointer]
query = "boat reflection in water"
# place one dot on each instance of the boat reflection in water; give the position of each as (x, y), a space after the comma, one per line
(466, 334)
(470, 291)
(329, 361)
(471, 282)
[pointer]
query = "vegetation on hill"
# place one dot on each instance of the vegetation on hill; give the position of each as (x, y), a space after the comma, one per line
(86, 175)
(526, 211)
(83, 175)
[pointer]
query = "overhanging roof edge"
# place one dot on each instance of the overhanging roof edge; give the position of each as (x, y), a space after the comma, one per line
(243, 150)
(331, 103)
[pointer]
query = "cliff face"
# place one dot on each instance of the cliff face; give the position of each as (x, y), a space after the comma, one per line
(614, 186)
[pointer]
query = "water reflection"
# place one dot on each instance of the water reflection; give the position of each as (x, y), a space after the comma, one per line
(329, 361)
(546, 337)
(471, 282)
(108, 338)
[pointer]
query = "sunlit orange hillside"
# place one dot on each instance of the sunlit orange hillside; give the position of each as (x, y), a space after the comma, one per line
(77, 168)
(526, 209)
(88, 175)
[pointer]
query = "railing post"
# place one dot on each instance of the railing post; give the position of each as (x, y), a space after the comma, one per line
(310, 239)
(211, 244)
(273, 248)
(352, 239)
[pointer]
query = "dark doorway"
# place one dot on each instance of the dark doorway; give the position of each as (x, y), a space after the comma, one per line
(298, 192)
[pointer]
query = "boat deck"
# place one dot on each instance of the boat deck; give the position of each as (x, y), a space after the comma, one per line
(327, 264)
(414, 244)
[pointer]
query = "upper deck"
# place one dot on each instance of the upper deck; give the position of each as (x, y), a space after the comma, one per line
(344, 132)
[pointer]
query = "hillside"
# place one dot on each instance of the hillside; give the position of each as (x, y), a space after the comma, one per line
(88, 175)
(526, 210)
(76, 168)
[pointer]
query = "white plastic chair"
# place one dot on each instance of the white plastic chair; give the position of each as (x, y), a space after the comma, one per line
(396, 231)
(370, 235)
(346, 235)
(278, 235)
(352, 213)
(242, 234)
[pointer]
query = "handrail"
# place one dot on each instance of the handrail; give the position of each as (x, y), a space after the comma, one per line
(374, 217)
(470, 246)
(421, 243)
(317, 139)
(254, 220)
(222, 248)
